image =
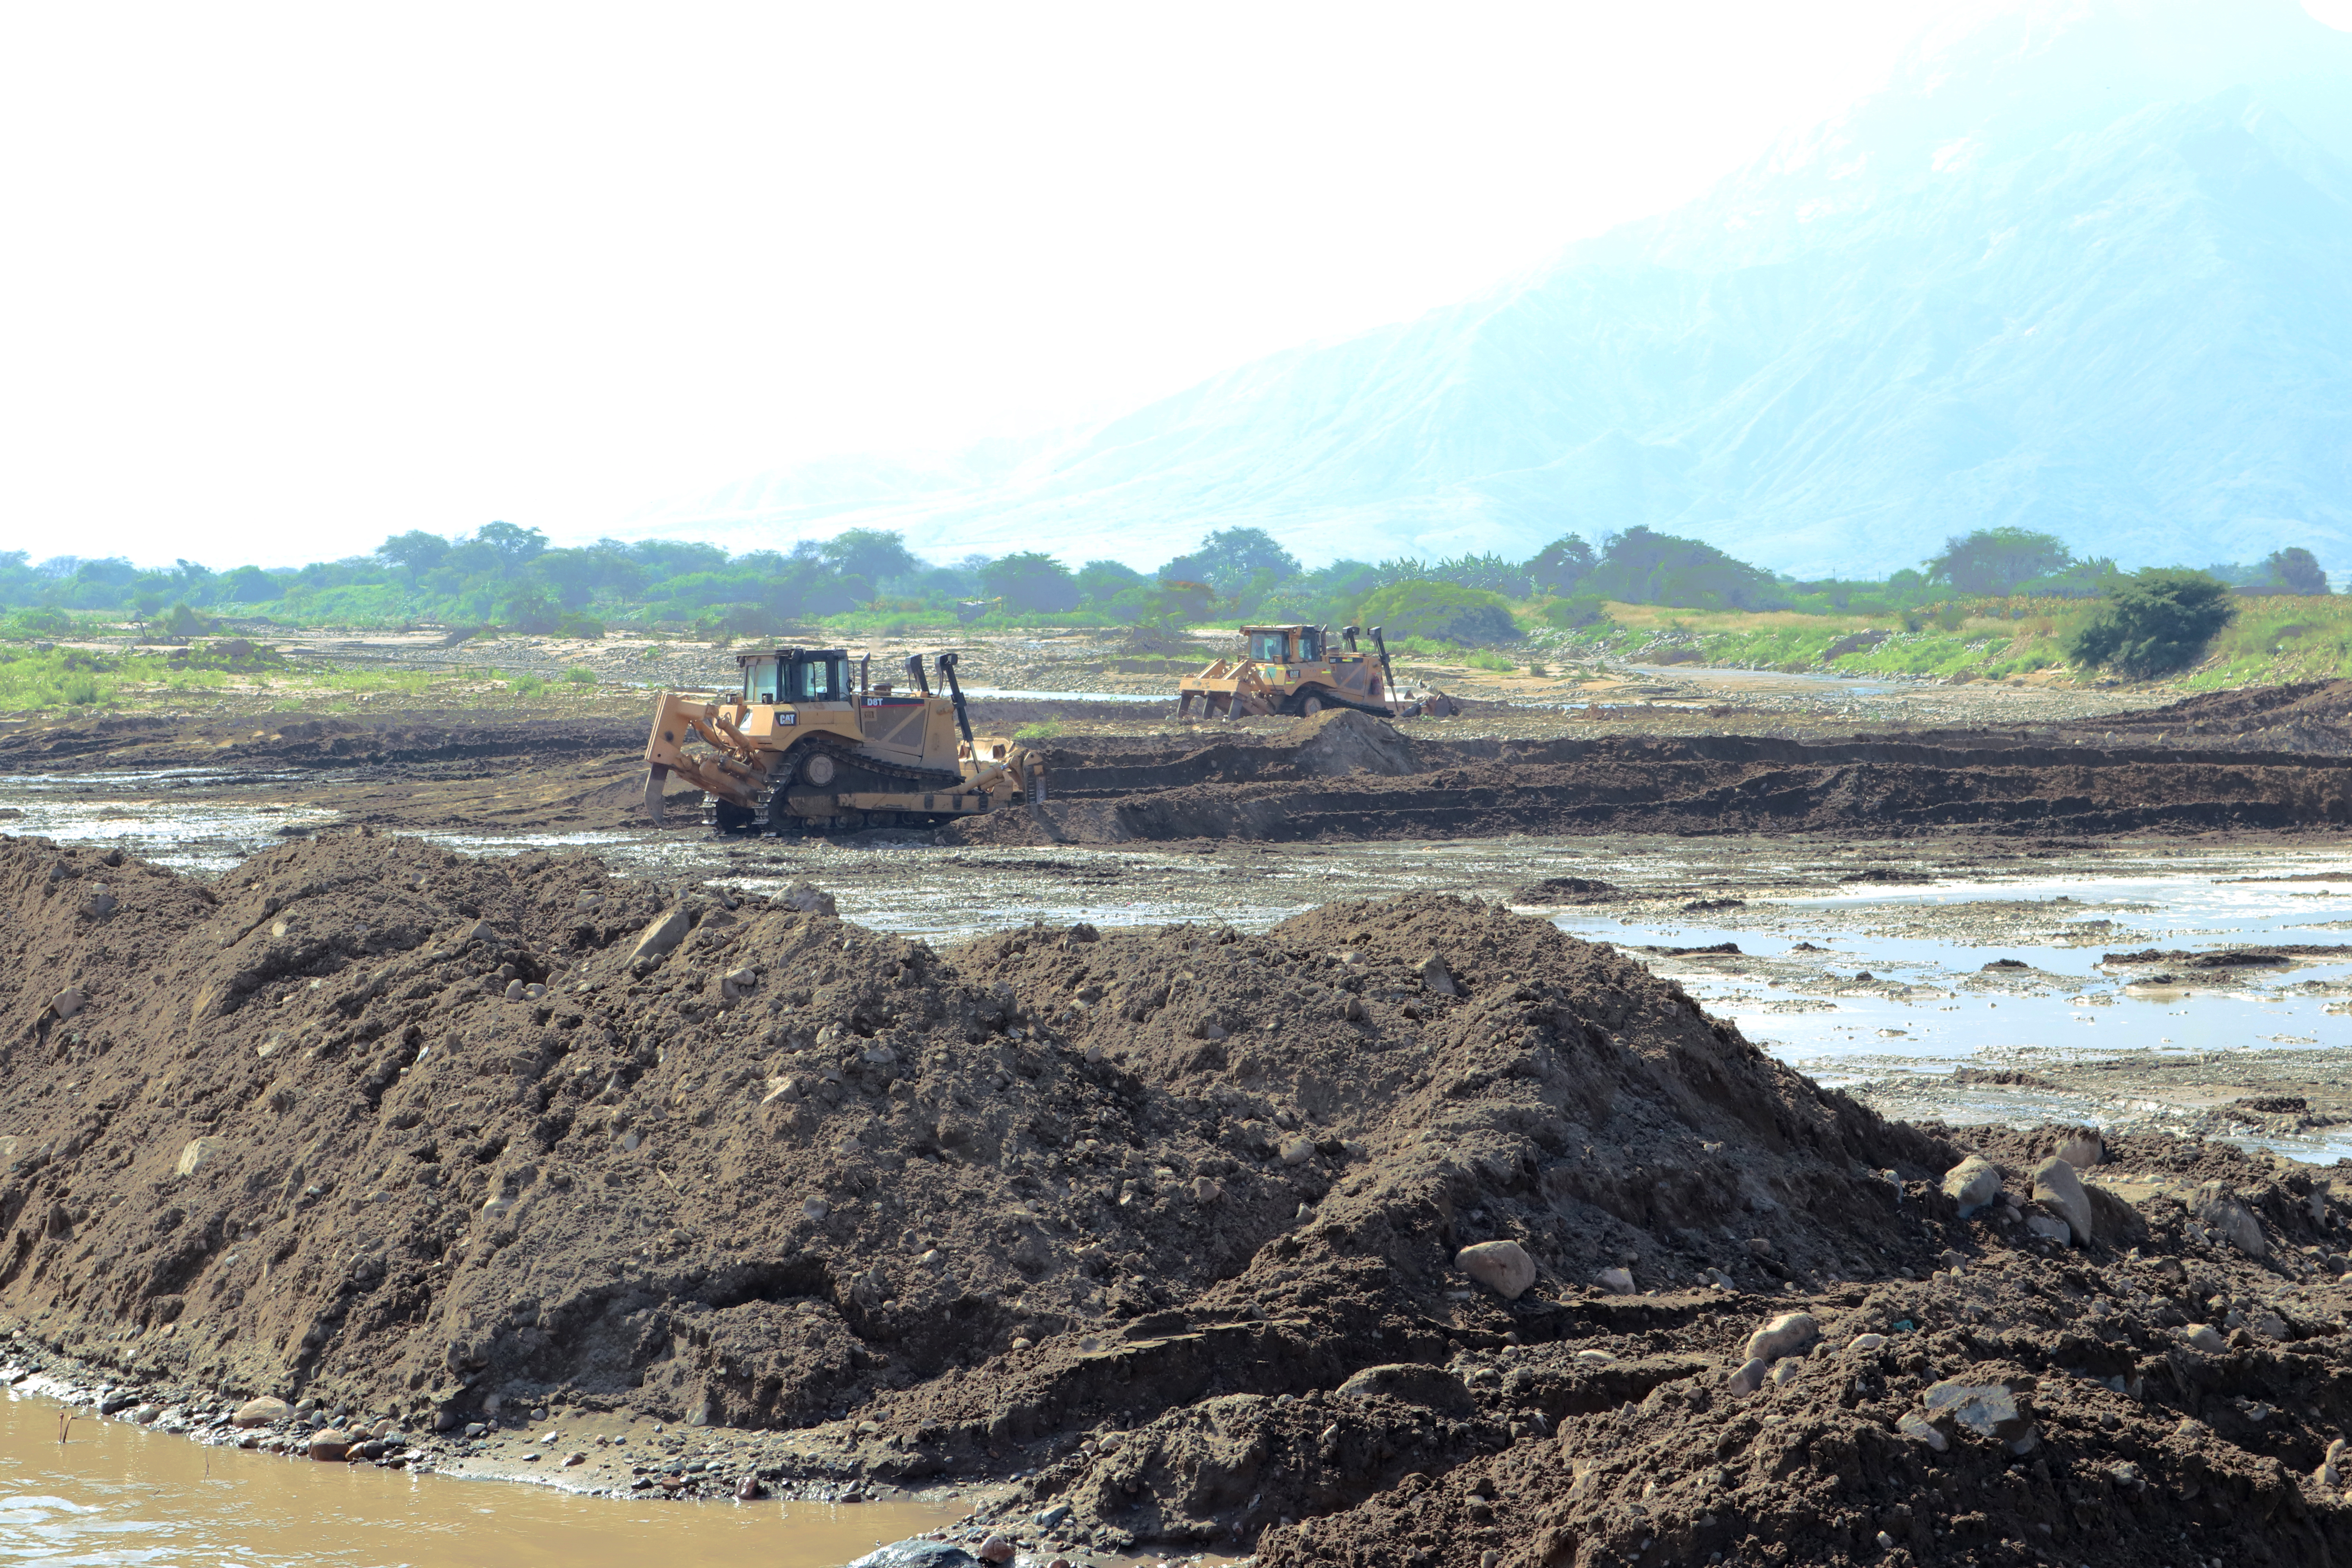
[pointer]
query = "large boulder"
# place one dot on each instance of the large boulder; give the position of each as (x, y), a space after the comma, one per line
(262, 1411)
(661, 938)
(1973, 1184)
(1503, 1267)
(2057, 1188)
(1784, 1335)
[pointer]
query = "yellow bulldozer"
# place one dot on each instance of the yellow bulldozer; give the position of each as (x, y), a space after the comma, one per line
(809, 744)
(1291, 669)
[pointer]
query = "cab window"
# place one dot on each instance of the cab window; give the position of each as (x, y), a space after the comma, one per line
(759, 680)
(1310, 645)
(1269, 647)
(810, 677)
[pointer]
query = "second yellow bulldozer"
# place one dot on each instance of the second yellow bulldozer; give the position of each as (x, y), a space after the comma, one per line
(809, 745)
(1291, 669)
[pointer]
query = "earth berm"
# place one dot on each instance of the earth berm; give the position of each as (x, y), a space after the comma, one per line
(1164, 1223)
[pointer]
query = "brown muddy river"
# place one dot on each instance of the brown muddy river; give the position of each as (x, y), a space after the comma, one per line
(116, 1493)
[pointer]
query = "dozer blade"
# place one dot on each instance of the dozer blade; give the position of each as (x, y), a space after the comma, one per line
(655, 776)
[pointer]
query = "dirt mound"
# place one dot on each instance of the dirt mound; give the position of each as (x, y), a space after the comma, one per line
(1169, 1220)
(1343, 742)
(2313, 716)
(1562, 890)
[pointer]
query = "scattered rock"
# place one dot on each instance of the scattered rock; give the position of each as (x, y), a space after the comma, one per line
(1206, 1190)
(1749, 1378)
(807, 897)
(67, 1002)
(1616, 1281)
(916, 1554)
(1919, 1429)
(196, 1152)
(1784, 1335)
(1298, 1151)
(2056, 1187)
(1866, 1344)
(262, 1411)
(996, 1549)
(2082, 1148)
(2049, 1227)
(2212, 1205)
(1503, 1267)
(1992, 1410)
(1435, 977)
(332, 1445)
(1973, 1184)
(2204, 1337)
(660, 938)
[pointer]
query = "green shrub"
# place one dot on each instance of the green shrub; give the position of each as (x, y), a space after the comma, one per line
(581, 675)
(1043, 729)
(180, 621)
(527, 686)
(2155, 621)
(1443, 610)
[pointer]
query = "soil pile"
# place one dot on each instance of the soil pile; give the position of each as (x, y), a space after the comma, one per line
(1228, 787)
(1172, 1220)
(2313, 716)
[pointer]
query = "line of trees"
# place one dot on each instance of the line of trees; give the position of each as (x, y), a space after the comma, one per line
(511, 576)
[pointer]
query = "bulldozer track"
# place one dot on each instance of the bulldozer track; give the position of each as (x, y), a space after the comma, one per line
(855, 772)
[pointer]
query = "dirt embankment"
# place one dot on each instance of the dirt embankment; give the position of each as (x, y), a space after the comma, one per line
(1170, 1218)
(1339, 776)
(1346, 777)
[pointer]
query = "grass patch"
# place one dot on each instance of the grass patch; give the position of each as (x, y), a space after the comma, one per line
(579, 675)
(372, 683)
(1041, 730)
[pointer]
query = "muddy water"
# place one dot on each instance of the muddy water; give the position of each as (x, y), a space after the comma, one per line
(119, 1494)
(200, 821)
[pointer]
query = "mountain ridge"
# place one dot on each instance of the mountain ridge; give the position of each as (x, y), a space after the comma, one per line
(1973, 300)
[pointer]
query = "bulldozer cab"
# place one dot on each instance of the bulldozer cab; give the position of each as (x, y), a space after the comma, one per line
(791, 675)
(1283, 645)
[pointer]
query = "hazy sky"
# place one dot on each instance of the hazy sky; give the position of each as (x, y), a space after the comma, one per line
(280, 280)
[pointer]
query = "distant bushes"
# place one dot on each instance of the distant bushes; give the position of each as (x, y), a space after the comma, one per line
(1442, 611)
